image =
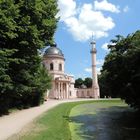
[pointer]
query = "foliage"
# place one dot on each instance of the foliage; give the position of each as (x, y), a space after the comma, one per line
(5, 80)
(43, 82)
(78, 83)
(103, 84)
(25, 27)
(88, 82)
(122, 68)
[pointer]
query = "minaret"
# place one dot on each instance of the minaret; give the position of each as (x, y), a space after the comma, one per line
(95, 86)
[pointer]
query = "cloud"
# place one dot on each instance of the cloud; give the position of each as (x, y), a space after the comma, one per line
(99, 70)
(83, 76)
(69, 74)
(89, 70)
(125, 9)
(99, 61)
(106, 6)
(84, 21)
(67, 9)
(104, 46)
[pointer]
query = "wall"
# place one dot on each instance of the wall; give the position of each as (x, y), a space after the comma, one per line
(85, 93)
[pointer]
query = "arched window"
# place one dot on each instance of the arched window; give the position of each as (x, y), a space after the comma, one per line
(70, 93)
(60, 67)
(88, 93)
(51, 66)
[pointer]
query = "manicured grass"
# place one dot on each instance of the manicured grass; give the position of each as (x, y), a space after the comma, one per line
(54, 124)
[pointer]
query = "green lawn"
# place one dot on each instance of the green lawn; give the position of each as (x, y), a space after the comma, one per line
(82, 121)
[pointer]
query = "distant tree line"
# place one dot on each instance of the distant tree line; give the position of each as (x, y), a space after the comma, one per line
(120, 75)
(86, 83)
(25, 27)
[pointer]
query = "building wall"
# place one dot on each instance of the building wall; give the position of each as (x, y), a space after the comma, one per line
(62, 84)
(85, 93)
(71, 87)
(56, 62)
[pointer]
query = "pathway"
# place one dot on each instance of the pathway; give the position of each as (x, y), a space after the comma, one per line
(13, 123)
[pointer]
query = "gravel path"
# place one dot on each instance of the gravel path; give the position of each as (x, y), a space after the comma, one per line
(13, 123)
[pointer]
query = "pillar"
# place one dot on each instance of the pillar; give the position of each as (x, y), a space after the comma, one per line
(64, 86)
(67, 91)
(95, 85)
(58, 90)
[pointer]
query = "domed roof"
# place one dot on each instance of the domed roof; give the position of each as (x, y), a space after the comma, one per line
(53, 50)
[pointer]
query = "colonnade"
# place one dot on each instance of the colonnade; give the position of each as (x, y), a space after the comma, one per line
(62, 90)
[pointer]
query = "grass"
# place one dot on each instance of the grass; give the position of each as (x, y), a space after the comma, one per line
(54, 124)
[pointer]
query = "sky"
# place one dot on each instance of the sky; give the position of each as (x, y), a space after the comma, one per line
(104, 19)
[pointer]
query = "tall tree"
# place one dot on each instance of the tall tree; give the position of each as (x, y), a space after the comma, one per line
(25, 27)
(122, 67)
(104, 85)
(8, 13)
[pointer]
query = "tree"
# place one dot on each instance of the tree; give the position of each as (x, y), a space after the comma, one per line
(8, 12)
(122, 67)
(43, 83)
(88, 82)
(5, 81)
(78, 83)
(104, 86)
(25, 27)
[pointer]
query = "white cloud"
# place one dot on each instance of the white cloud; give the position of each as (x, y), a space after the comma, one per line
(71, 75)
(126, 9)
(104, 46)
(86, 21)
(89, 70)
(106, 6)
(83, 76)
(99, 61)
(99, 70)
(67, 9)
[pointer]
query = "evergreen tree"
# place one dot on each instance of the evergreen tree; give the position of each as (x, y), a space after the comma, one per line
(8, 13)
(25, 27)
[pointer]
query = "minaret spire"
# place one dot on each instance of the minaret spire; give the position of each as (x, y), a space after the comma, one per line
(95, 85)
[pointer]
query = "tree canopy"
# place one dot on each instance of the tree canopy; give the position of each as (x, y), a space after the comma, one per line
(121, 70)
(86, 82)
(78, 83)
(25, 27)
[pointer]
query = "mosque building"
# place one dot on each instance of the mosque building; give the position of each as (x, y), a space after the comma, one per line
(62, 83)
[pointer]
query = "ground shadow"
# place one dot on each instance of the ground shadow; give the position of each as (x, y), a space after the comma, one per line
(114, 123)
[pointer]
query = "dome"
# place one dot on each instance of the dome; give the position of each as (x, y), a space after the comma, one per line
(53, 50)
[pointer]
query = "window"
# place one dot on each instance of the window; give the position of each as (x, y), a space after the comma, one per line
(51, 66)
(60, 67)
(70, 93)
(88, 93)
